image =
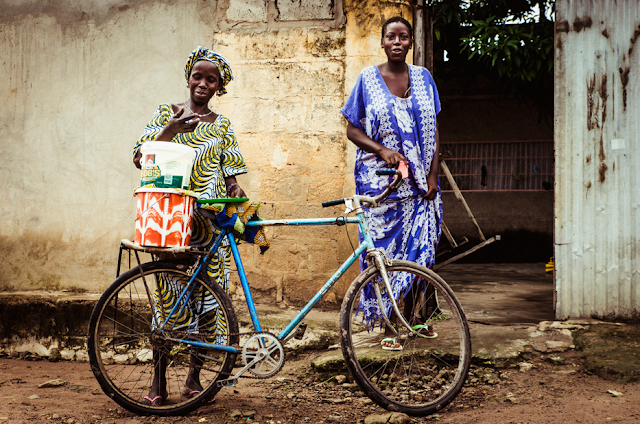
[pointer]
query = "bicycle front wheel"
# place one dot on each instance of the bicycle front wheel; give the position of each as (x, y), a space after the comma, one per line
(426, 371)
(133, 339)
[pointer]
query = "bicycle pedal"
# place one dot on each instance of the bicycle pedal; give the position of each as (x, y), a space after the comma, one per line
(299, 333)
(227, 382)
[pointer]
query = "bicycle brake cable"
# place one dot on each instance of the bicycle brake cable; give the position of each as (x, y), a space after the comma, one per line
(346, 229)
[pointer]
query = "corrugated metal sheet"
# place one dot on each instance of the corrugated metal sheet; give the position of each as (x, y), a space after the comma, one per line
(597, 104)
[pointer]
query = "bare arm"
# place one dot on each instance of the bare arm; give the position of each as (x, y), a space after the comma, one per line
(360, 139)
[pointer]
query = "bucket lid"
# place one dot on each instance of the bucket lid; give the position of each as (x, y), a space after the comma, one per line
(178, 191)
(167, 146)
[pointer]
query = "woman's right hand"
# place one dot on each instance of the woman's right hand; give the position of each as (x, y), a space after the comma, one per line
(360, 139)
(391, 157)
(177, 124)
(180, 124)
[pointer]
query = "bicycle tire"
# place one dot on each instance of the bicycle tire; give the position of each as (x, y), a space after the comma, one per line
(122, 340)
(427, 373)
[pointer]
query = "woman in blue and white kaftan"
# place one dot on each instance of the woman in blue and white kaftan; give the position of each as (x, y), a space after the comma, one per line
(407, 225)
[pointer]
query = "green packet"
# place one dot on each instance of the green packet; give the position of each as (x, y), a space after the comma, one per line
(224, 200)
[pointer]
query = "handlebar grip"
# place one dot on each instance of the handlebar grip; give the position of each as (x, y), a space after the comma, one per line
(332, 202)
(386, 171)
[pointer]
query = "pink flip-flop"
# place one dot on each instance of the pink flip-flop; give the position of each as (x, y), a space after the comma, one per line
(193, 393)
(156, 401)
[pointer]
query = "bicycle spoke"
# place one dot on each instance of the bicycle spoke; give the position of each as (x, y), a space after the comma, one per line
(126, 348)
(429, 370)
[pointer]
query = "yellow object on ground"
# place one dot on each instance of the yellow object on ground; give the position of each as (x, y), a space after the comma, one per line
(550, 265)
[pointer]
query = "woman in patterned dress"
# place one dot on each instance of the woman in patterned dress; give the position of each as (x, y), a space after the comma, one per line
(218, 161)
(391, 116)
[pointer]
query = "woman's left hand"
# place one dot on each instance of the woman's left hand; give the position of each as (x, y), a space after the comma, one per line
(433, 188)
(235, 191)
(431, 194)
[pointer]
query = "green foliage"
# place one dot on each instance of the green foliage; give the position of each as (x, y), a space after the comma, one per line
(519, 51)
(506, 41)
(507, 36)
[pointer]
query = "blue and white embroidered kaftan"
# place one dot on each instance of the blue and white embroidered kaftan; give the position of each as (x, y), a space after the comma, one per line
(405, 226)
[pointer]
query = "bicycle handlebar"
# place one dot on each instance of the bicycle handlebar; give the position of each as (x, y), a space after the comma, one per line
(391, 187)
(374, 201)
(386, 171)
(332, 203)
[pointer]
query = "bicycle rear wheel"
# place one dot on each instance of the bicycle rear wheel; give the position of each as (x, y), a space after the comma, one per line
(427, 373)
(125, 341)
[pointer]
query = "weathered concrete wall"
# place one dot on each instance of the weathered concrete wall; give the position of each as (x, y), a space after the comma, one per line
(80, 81)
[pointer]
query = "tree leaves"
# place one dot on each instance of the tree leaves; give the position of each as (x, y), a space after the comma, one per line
(515, 50)
(508, 41)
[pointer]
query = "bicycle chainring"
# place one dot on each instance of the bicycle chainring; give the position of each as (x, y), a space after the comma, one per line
(269, 349)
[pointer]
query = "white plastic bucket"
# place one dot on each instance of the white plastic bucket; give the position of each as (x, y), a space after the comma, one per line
(166, 165)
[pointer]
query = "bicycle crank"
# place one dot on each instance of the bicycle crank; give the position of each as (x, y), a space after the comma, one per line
(265, 352)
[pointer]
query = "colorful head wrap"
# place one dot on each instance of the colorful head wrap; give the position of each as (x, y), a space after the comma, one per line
(202, 53)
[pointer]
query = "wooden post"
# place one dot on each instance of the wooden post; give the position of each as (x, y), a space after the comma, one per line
(428, 37)
(418, 34)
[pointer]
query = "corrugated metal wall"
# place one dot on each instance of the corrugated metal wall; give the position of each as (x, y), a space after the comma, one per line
(597, 139)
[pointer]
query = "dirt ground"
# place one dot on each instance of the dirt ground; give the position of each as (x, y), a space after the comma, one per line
(547, 393)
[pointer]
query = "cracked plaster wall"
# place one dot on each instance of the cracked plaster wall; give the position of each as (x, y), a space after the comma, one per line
(81, 80)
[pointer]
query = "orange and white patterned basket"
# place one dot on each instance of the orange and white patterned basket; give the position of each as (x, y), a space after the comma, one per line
(163, 217)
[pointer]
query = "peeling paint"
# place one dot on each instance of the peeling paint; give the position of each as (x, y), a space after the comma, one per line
(581, 23)
(602, 91)
(597, 95)
(279, 157)
(592, 122)
(595, 106)
(634, 38)
(602, 171)
(562, 26)
(601, 155)
(624, 79)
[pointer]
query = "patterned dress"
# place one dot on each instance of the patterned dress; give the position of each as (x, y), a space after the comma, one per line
(217, 157)
(405, 226)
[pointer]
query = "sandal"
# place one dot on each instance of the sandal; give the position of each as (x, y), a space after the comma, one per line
(192, 394)
(390, 343)
(427, 334)
(156, 401)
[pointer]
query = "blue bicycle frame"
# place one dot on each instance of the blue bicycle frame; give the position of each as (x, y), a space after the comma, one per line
(367, 243)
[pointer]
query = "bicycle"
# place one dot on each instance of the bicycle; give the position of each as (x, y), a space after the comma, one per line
(135, 326)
